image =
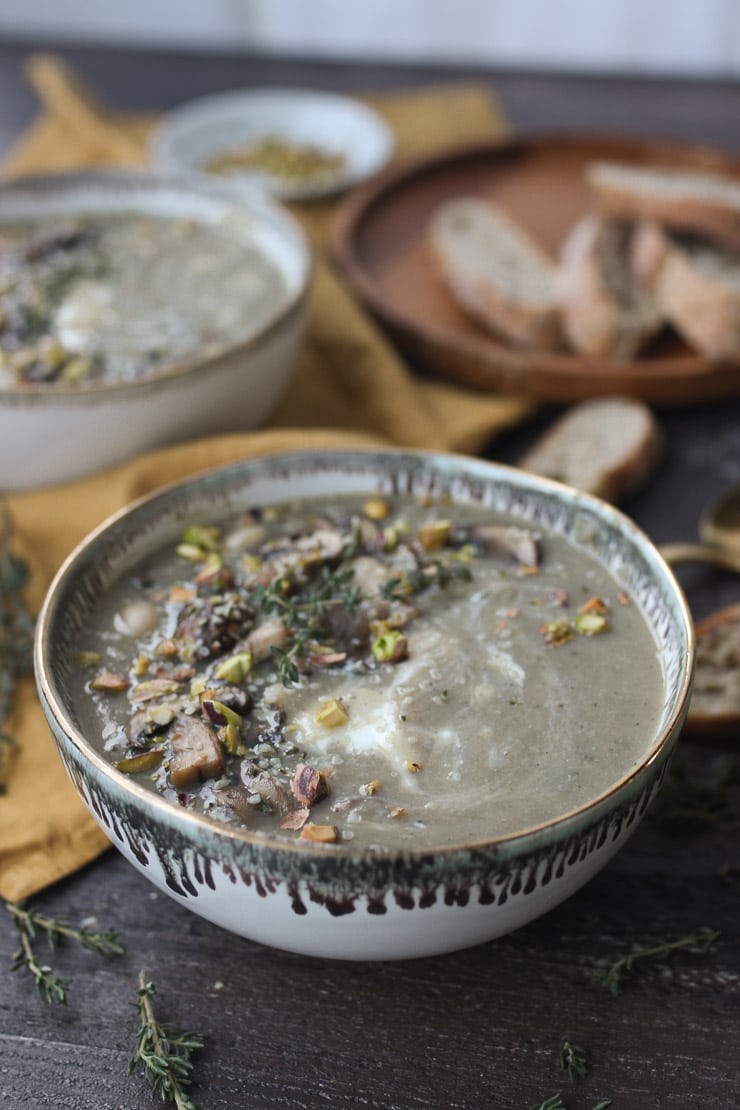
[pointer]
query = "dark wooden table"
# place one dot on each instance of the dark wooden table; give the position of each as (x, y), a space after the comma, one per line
(481, 1028)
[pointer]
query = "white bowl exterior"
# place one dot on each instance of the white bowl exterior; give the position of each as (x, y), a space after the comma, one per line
(48, 436)
(58, 439)
(418, 925)
(311, 899)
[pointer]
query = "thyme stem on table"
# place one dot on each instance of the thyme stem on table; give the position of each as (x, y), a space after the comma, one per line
(163, 1055)
(29, 923)
(614, 970)
(574, 1060)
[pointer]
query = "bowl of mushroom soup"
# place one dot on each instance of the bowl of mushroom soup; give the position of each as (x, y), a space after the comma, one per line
(137, 310)
(366, 704)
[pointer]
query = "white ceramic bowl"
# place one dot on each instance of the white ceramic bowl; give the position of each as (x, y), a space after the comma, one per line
(52, 435)
(343, 903)
(189, 136)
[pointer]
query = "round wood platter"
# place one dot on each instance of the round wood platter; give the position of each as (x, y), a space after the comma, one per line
(380, 245)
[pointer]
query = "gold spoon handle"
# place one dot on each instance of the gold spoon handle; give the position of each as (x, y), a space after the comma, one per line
(675, 553)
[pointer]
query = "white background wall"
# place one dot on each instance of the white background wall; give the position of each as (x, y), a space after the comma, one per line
(699, 37)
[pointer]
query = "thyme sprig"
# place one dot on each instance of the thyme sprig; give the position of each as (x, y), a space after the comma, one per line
(574, 1061)
(303, 611)
(29, 924)
(163, 1054)
(615, 969)
(432, 572)
(16, 635)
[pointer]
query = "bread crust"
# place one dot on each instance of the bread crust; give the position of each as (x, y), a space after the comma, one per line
(696, 201)
(608, 446)
(714, 707)
(695, 288)
(606, 312)
(490, 265)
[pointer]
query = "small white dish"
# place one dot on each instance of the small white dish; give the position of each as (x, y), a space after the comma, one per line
(194, 133)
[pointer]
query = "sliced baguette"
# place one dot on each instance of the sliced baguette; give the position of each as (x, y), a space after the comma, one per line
(605, 311)
(697, 201)
(609, 446)
(495, 272)
(695, 286)
(714, 708)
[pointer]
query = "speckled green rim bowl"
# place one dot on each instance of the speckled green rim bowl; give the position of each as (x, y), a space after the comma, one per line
(52, 435)
(330, 900)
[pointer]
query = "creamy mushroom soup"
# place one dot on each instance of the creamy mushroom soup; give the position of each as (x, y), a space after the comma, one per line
(381, 672)
(118, 297)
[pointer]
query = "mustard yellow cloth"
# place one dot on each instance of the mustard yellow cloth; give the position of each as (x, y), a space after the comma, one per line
(350, 386)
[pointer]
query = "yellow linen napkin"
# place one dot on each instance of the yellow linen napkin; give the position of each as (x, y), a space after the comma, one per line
(349, 385)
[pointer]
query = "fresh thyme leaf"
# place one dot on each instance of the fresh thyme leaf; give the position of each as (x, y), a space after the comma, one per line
(614, 970)
(574, 1060)
(29, 924)
(554, 1102)
(163, 1054)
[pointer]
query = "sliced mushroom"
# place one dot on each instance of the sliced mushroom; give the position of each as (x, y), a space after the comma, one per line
(198, 754)
(507, 540)
(269, 790)
(272, 633)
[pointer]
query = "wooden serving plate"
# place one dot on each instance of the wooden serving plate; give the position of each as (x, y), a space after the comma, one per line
(380, 246)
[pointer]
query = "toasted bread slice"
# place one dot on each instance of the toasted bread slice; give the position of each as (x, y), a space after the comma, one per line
(697, 201)
(495, 272)
(696, 287)
(605, 311)
(609, 446)
(714, 708)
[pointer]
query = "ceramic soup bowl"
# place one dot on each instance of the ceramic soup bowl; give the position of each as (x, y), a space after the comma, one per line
(216, 380)
(348, 899)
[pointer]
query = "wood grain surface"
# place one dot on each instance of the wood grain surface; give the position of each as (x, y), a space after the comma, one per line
(476, 1029)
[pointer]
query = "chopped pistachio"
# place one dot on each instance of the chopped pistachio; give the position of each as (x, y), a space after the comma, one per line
(234, 669)
(370, 788)
(376, 508)
(218, 713)
(557, 632)
(231, 736)
(332, 714)
(76, 370)
(147, 761)
(191, 552)
(435, 535)
(182, 593)
(88, 658)
(320, 834)
(201, 536)
(590, 624)
(413, 766)
(390, 647)
(161, 715)
(594, 605)
(110, 682)
(141, 666)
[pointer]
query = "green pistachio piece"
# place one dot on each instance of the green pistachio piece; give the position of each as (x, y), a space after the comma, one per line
(234, 669)
(147, 761)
